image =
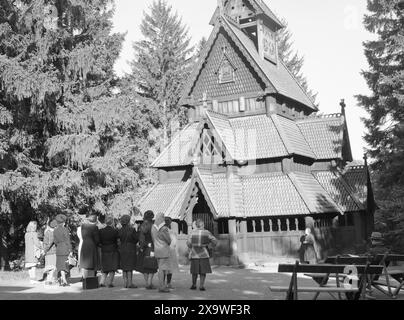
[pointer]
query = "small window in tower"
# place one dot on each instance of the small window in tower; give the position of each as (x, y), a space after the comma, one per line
(226, 72)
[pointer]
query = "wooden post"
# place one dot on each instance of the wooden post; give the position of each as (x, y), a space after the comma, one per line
(233, 242)
(244, 255)
(270, 104)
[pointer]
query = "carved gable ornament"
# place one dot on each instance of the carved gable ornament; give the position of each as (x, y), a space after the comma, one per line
(226, 70)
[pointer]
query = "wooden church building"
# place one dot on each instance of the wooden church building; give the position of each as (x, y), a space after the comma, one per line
(255, 162)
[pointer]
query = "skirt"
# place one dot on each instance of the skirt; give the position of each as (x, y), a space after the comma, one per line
(173, 260)
(164, 264)
(109, 261)
(50, 262)
(61, 264)
(200, 266)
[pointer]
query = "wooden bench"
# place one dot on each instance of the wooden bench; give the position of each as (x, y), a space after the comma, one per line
(390, 275)
(322, 271)
(386, 279)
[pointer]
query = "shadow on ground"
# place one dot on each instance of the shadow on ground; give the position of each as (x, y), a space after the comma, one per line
(224, 284)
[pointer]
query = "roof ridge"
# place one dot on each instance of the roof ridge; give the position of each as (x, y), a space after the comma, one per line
(298, 83)
(178, 196)
(231, 152)
(321, 117)
(348, 188)
(282, 134)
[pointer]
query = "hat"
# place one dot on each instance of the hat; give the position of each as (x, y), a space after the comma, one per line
(53, 224)
(377, 236)
(92, 218)
(125, 220)
(148, 215)
(60, 218)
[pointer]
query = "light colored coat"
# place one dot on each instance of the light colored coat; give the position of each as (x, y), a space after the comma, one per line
(33, 247)
(161, 240)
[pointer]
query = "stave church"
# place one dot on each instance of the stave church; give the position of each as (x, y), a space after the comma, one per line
(256, 162)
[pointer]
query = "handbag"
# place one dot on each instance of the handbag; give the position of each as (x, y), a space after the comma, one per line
(150, 262)
(90, 283)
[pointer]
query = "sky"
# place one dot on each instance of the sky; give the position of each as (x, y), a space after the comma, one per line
(328, 33)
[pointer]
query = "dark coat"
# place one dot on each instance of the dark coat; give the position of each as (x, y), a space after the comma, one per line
(145, 246)
(89, 250)
(109, 249)
(128, 238)
(61, 239)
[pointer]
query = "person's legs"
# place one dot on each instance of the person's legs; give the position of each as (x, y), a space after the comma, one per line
(146, 279)
(194, 279)
(130, 280)
(104, 276)
(32, 273)
(169, 278)
(111, 279)
(125, 278)
(202, 282)
(63, 276)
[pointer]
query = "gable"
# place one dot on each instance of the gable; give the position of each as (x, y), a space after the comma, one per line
(245, 78)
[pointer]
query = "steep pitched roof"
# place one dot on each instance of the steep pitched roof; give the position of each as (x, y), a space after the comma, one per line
(166, 198)
(179, 151)
(325, 135)
(356, 177)
(271, 195)
(314, 195)
(276, 76)
(339, 190)
(260, 137)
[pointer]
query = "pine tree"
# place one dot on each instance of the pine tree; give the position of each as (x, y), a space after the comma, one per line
(385, 105)
(67, 143)
(292, 59)
(162, 62)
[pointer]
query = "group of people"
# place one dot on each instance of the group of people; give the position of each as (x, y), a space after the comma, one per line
(149, 250)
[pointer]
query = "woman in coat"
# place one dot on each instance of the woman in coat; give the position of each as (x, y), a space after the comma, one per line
(61, 239)
(89, 259)
(173, 259)
(127, 249)
(310, 255)
(50, 254)
(146, 249)
(33, 248)
(109, 252)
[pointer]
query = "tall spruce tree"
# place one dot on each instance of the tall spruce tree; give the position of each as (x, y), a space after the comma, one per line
(292, 59)
(162, 63)
(67, 144)
(385, 106)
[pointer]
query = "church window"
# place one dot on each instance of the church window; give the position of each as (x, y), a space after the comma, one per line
(226, 72)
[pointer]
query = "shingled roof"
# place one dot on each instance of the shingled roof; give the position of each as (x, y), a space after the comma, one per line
(261, 195)
(276, 76)
(180, 151)
(260, 137)
(325, 135)
(167, 198)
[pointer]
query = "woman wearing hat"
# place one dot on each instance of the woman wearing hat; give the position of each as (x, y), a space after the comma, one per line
(61, 239)
(127, 249)
(89, 260)
(50, 254)
(146, 249)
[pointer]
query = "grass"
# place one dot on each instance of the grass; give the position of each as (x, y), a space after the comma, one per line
(14, 276)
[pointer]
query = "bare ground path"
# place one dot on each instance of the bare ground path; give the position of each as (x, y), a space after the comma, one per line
(225, 283)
